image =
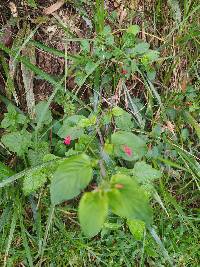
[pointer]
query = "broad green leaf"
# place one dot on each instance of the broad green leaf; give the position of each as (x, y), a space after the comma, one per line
(141, 48)
(93, 209)
(127, 199)
(36, 155)
(49, 157)
(145, 173)
(73, 132)
(70, 178)
(107, 117)
(128, 40)
(151, 56)
(12, 118)
(123, 119)
(85, 45)
(108, 148)
(117, 111)
(122, 140)
(21, 119)
(40, 108)
(123, 170)
(33, 181)
(80, 78)
(87, 122)
(109, 39)
(17, 142)
(133, 29)
(70, 127)
(136, 228)
(107, 30)
(89, 67)
(124, 122)
(83, 143)
(5, 171)
(73, 120)
(31, 3)
(9, 117)
(185, 134)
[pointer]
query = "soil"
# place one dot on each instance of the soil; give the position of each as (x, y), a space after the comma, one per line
(49, 34)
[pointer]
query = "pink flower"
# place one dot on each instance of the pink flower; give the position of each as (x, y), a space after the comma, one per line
(67, 140)
(128, 151)
(124, 72)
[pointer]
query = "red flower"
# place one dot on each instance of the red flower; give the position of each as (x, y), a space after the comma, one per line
(67, 140)
(124, 72)
(128, 151)
(119, 186)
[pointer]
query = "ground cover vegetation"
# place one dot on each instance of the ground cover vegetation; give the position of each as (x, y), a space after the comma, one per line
(99, 138)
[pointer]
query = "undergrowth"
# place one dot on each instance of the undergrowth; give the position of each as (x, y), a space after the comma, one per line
(105, 170)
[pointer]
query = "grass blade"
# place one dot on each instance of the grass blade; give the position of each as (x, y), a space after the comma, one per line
(24, 238)
(45, 76)
(5, 217)
(10, 237)
(188, 117)
(49, 222)
(160, 244)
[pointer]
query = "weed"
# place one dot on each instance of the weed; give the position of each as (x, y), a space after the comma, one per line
(104, 172)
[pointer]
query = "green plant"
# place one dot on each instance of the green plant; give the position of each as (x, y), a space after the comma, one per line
(93, 164)
(71, 175)
(124, 55)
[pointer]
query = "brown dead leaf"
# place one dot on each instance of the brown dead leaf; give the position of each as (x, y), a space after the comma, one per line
(184, 83)
(13, 9)
(28, 77)
(66, 21)
(118, 92)
(6, 38)
(169, 126)
(51, 9)
(122, 13)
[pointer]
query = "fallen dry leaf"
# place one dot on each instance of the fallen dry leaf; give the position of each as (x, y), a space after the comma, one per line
(28, 76)
(13, 9)
(122, 13)
(184, 83)
(169, 126)
(118, 92)
(51, 9)
(6, 38)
